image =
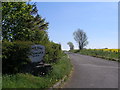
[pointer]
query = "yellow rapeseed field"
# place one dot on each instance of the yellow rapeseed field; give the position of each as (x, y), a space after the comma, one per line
(110, 50)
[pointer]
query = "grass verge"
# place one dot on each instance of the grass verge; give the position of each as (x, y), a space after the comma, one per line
(60, 69)
(108, 55)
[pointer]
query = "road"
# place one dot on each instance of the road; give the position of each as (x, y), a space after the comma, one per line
(91, 72)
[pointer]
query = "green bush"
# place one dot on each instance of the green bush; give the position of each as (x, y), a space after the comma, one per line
(60, 69)
(15, 55)
(52, 51)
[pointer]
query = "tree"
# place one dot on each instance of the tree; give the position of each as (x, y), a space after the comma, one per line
(15, 17)
(20, 21)
(71, 45)
(81, 38)
(0, 21)
(40, 27)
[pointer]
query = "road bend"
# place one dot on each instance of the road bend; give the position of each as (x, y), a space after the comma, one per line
(91, 72)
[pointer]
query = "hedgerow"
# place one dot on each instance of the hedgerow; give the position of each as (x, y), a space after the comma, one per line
(15, 54)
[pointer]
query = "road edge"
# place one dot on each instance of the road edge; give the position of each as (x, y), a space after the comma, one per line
(61, 82)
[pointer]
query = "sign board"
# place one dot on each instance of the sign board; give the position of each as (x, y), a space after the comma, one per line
(37, 53)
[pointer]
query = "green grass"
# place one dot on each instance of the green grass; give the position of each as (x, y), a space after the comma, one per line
(60, 69)
(99, 53)
(0, 81)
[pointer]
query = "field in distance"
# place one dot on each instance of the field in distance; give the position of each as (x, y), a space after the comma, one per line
(110, 54)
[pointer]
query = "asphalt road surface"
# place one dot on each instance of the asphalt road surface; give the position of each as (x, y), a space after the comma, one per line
(91, 72)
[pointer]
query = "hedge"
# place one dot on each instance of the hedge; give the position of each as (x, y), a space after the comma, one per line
(15, 54)
(53, 52)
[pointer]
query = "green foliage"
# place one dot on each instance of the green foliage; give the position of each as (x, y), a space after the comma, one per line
(53, 51)
(40, 36)
(15, 55)
(99, 53)
(71, 45)
(60, 69)
(20, 21)
(75, 51)
(14, 18)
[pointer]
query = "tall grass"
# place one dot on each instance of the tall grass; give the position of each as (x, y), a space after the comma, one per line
(60, 69)
(110, 55)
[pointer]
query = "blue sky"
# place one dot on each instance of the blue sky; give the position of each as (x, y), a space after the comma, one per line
(98, 19)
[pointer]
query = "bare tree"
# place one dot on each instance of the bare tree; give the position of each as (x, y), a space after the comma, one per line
(71, 45)
(81, 38)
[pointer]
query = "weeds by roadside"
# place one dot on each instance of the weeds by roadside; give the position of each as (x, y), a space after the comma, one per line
(109, 55)
(19, 80)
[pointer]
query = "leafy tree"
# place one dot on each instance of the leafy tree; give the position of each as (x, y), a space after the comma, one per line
(81, 38)
(40, 36)
(39, 29)
(71, 45)
(20, 21)
(14, 18)
(0, 21)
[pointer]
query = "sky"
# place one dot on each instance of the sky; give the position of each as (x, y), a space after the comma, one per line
(98, 19)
